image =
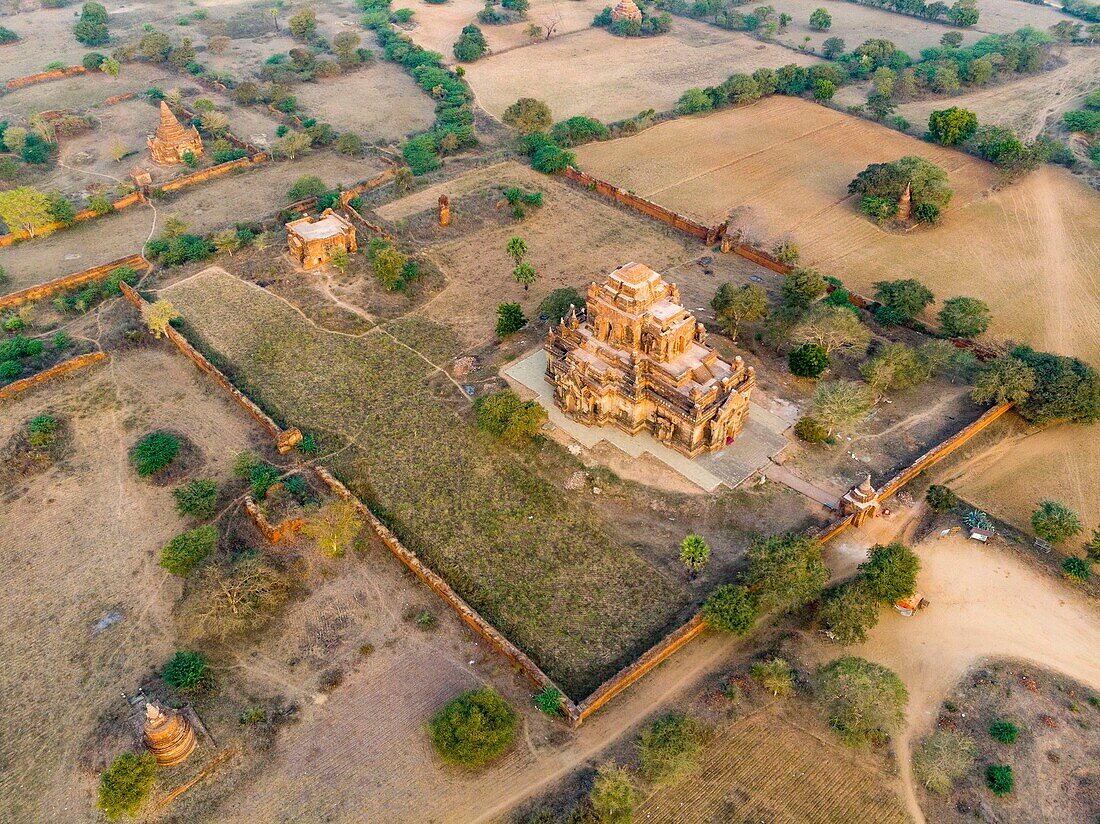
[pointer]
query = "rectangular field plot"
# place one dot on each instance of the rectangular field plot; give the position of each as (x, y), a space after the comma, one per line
(765, 768)
(377, 102)
(1029, 249)
(541, 568)
(596, 74)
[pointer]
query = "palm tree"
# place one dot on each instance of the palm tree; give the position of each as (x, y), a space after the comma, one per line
(525, 273)
(517, 249)
(694, 553)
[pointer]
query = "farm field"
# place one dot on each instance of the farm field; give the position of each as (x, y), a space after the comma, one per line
(1035, 237)
(469, 507)
(84, 552)
(768, 768)
(204, 208)
(596, 74)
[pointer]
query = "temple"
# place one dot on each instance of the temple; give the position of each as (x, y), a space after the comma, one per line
(164, 732)
(172, 141)
(640, 362)
(312, 242)
(626, 10)
(861, 502)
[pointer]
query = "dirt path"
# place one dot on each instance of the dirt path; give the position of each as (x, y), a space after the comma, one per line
(986, 603)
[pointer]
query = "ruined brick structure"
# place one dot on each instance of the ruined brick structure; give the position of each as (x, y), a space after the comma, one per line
(861, 502)
(640, 362)
(172, 141)
(626, 10)
(165, 732)
(312, 241)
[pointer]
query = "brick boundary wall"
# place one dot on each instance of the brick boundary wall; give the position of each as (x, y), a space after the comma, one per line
(81, 216)
(43, 77)
(274, 533)
(61, 284)
(191, 179)
(63, 368)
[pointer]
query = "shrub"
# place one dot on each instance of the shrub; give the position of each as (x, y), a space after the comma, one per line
(473, 729)
(189, 549)
(810, 430)
(555, 306)
(693, 101)
(198, 498)
(1076, 568)
(306, 186)
(125, 785)
(154, 452)
(890, 572)
(862, 701)
(10, 370)
(952, 126)
(185, 670)
(943, 758)
(730, 608)
(775, 676)
(613, 796)
(510, 319)
(1055, 522)
(808, 361)
(549, 701)
(508, 417)
(941, 498)
(964, 317)
(92, 61)
(470, 44)
(7, 35)
(1004, 731)
(905, 298)
(421, 155)
(528, 115)
(579, 130)
(91, 29)
(669, 747)
(998, 777)
(42, 431)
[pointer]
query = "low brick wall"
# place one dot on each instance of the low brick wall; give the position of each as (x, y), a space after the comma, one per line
(761, 258)
(274, 533)
(63, 368)
(114, 100)
(184, 181)
(44, 77)
(81, 216)
(64, 284)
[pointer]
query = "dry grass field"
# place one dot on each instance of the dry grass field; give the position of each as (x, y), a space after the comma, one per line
(768, 768)
(596, 74)
(79, 546)
(504, 538)
(378, 102)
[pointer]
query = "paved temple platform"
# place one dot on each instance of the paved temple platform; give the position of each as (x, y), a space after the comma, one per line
(762, 436)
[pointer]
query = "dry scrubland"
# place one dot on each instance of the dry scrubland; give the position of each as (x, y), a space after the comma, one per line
(379, 101)
(596, 74)
(80, 543)
(544, 571)
(767, 768)
(251, 195)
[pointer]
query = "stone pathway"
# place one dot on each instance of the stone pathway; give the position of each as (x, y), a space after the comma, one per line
(782, 475)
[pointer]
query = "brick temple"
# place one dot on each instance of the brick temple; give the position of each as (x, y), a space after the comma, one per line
(640, 361)
(312, 241)
(172, 141)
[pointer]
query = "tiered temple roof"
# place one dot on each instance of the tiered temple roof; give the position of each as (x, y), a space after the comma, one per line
(172, 141)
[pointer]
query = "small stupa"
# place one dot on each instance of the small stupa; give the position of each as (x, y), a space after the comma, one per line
(861, 502)
(172, 141)
(905, 203)
(166, 733)
(626, 10)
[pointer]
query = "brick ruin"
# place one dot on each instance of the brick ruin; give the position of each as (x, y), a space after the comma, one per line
(311, 241)
(626, 10)
(172, 141)
(640, 362)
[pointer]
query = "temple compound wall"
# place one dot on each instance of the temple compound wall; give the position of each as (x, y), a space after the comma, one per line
(640, 362)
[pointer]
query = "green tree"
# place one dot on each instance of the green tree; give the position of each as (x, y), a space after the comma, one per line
(516, 249)
(125, 785)
(730, 608)
(528, 115)
(802, 287)
(693, 101)
(905, 299)
(774, 675)
(470, 44)
(833, 328)
(734, 305)
(613, 796)
(808, 360)
(890, 572)
(887, 181)
(941, 498)
(694, 553)
(154, 452)
(556, 305)
(862, 701)
(306, 186)
(1066, 389)
(1003, 380)
(950, 127)
(894, 366)
(669, 747)
(510, 318)
(1054, 522)
(189, 549)
(25, 208)
(1078, 569)
(389, 266)
(61, 209)
(344, 46)
(91, 29)
(838, 403)
(334, 527)
(509, 417)
(473, 729)
(821, 20)
(942, 759)
(303, 23)
(159, 314)
(849, 612)
(998, 777)
(186, 670)
(525, 273)
(964, 317)
(198, 498)
(785, 572)
(810, 430)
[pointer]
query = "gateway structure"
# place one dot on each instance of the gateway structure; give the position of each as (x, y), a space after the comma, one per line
(639, 361)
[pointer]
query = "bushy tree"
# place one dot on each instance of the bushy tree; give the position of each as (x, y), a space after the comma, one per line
(473, 729)
(510, 319)
(198, 498)
(185, 671)
(890, 572)
(556, 305)
(802, 287)
(91, 29)
(1003, 380)
(1054, 522)
(613, 796)
(864, 702)
(1078, 569)
(734, 305)
(188, 549)
(999, 779)
(509, 417)
(950, 127)
(303, 23)
(693, 101)
(669, 747)
(821, 20)
(1066, 389)
(833, 47)
(470, 44)
(528, 115)
(808, 360)
(306, 186)
(154, 452)
(579, 130)
(964, 317)
(334, 527)
(810, 430)
(785, 571)
(730, 608)
(941, 498)
(903, 299)
(942, 759)
(24, 208)
(894, 366)
(774, 675)
(833, 328)
(885, 182)
(125, 785)
(849, 611)
(159, 314)
(838, 403)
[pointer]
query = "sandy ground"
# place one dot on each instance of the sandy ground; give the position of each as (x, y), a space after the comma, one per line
(787, 164)
(209, 206)
(80, 543)
(379, 101)
(985, 604)
(593, 73)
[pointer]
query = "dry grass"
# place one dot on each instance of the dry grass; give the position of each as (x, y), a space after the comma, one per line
(542, 570)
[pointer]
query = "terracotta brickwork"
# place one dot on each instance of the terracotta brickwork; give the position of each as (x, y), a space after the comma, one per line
(63, 368)
(44, 77)
(84, 214)
(64, 284)
(274, 533)
(191, 179)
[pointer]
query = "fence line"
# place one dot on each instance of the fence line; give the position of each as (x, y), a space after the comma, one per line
(67, 282)
(64, 368)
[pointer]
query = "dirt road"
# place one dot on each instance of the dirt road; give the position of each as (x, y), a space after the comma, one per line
(986, 603)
